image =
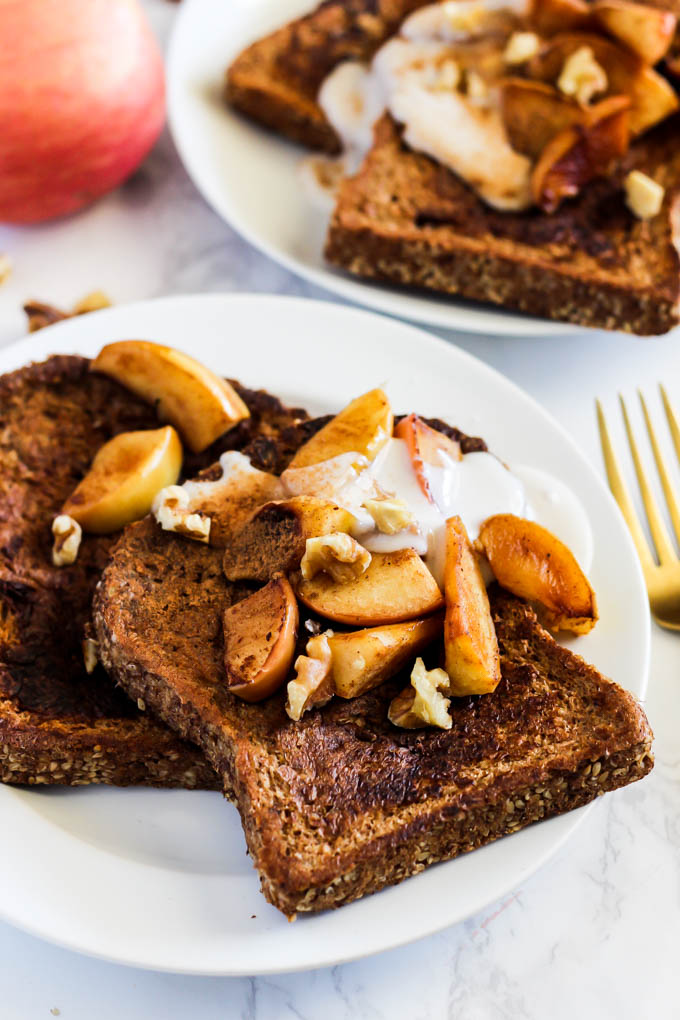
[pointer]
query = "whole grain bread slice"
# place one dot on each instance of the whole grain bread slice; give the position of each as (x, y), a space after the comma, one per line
(275, 81)
(342, 803)
(406, 219)
(59, 724)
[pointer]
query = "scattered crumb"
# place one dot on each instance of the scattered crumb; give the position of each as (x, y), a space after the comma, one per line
(252, 916)
(55, 1012)
(5, 268)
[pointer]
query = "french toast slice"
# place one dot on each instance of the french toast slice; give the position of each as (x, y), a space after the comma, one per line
(405, 219)
(342, 803)
(59, 724)
(275, 81)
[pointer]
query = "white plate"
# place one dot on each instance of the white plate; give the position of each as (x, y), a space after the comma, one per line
(252, 178)
(160, 879)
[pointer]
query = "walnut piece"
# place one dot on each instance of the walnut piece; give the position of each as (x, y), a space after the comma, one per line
(67, 536)
(522, 46)
(339, 555)
(313, 684)
(581, 76)
(644, 197)
(90, 654)
(41, 314)
(172, 510)
(390, 515)
(422, 704)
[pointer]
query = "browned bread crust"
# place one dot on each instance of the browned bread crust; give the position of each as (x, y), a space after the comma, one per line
(342, 803)
(57, 723)
(406, 219)
(275, 80)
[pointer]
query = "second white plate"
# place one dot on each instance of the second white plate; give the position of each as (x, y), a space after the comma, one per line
(161, 879)
(252, 178)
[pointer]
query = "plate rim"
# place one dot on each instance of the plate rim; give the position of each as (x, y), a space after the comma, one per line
(15, 354)
(369, 295)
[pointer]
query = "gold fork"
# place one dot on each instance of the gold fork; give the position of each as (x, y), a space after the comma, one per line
(662, 578)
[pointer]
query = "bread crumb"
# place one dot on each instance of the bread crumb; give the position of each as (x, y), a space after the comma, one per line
(5, 268)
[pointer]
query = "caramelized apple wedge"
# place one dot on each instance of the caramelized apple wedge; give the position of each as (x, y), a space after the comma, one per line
(197, 402)
(471, 655)
(534, 112)
(396, 587)
(579, 154)
(532, 563)
(363, 659)
(363, 427)
(547, 17)
(124, 478)
(274, 539)
(652, 98)
(645, 30)
(259, 640)
(424, 445)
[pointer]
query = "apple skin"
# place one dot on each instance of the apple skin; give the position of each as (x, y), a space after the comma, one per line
(82, 101)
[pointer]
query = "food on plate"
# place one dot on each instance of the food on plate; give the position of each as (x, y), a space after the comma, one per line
(343, 701)
(470, 646)
(124, 478)
(532, 563)
(394, 587)
(200, 404)
(456, 122)
(259, 640)
(363, 428)
(82, 101)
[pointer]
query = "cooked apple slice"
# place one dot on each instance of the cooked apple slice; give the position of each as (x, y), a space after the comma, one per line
(645, 30)
(532, 563)
(550, 16)
(274, 539)
(652, 98)
(123, 479)
(579, 154)
(195, 400)
(534, 112)
(363, 427)
(424, 445)
(363, 659)
(259, 640)
(396, 586)
(471, 652)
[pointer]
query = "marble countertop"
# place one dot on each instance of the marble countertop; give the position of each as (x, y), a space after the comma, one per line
(595, 933)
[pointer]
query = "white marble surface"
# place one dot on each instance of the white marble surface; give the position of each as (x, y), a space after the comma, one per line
(595, 934)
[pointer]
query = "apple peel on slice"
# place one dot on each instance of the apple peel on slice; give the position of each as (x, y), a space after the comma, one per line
(363, 428)
(531, 562)
(184, 392)
(397, 586)
(471, 655)
(259, 640)
(424, 445)
(124, 478)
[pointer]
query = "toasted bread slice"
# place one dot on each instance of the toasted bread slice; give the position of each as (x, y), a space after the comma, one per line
(406, 219)
(275, 80)
(57, 723)
(342, 803)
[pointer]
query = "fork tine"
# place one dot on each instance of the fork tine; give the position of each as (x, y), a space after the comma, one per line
(620, 492)
(664, 549)
(673, 423)
(667, 485)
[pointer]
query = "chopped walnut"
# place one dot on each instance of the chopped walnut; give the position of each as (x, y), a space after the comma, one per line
(313, 684)
(582, 77)
(41, 314)
(67, 536)
(90, 654)
(390, 515)
(644, 197)
(5, 268)
(339, 555)
(173, 512)
(447, 76)
(522, 46)
(422, 704)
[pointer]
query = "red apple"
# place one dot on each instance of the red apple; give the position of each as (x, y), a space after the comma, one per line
(82, 100)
